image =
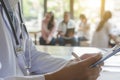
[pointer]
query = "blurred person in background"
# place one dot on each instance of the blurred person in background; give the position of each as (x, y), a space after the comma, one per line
(103, 34)
(83, 28)
(20, 60)
(48, 30)
(63, 28)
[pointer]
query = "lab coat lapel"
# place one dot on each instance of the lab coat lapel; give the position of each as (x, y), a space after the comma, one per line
(7, 55)
(11, 4)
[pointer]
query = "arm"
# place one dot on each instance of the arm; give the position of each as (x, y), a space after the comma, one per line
(87, 27)
(44, 30)
(61, 33)
(111, 35)
(114, 38)
(44, 63)
(50, 36)
(60, 30)
(78, 70)
(80, 28)
(38, 77)
(40, 65)
(71, 71)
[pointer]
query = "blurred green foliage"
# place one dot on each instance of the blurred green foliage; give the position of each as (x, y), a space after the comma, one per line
(29, 9)
(34, 9)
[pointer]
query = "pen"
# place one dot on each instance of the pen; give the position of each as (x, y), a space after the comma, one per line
(76, 56)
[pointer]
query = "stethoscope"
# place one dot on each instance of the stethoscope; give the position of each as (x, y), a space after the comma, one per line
(19, 47)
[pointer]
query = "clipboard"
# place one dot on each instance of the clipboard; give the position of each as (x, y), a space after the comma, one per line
(112, 52)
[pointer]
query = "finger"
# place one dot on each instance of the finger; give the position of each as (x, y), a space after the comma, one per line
(100, 68)
(95, 73)
(102, 64)
(94, 77)
(88, 62)
(95, 70)
(97, 67)
(85, 56)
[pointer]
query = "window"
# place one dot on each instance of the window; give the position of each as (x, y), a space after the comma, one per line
(58, 7)
(114, 7)
(32, 9)
(91, 8)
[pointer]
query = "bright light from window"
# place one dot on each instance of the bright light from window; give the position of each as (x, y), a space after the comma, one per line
(109, 5)
(90, 3)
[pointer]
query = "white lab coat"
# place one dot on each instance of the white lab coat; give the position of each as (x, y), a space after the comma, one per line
(12, 66)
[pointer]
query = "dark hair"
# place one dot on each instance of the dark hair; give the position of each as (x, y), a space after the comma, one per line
(51, 22)
(82, 16)
(107, 15)
(67, 12)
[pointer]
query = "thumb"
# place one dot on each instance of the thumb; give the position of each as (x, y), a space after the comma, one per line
(89, 61)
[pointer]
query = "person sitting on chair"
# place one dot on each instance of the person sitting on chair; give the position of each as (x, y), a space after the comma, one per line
(66, 31)
(48, 30)
(84, 29)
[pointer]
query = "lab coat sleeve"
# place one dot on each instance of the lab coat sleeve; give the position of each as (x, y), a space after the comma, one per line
(43, 63)
(38, 77)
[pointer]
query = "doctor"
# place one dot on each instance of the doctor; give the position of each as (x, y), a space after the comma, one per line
(20, 60)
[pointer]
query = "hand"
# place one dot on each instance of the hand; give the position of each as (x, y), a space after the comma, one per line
(117, 41)
(62, 34)
(47, 42)
(78, 70)
(85, 56)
